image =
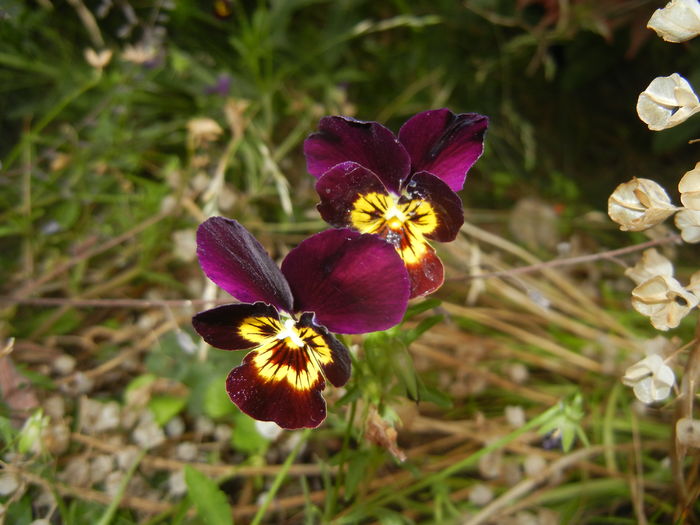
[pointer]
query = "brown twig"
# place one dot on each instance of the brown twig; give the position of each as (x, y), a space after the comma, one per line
(569, 261)
(32, 286)
(111, 303)
(21, 297)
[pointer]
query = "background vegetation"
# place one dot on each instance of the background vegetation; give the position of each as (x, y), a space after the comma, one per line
(202, 109)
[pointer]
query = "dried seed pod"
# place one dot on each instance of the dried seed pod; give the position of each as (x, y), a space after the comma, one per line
(678, 21)
(639, 204)
(664, 301)
(667, 102)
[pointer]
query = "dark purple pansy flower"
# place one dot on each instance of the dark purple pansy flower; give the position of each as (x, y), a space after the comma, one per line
(402, 189)
(337, 280)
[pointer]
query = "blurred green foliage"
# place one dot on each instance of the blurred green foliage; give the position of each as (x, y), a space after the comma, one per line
(89, 153)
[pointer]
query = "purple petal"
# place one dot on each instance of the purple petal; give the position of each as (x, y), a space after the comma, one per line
(445, 203)
(444, 144)
(340, 187)
(344, 139)
(354, 283)
(276, 400)
(220, 326)
(232, 258)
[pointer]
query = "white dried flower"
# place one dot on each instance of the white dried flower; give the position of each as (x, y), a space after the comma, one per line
(203, 425)
(184, 245)
(651, 379)
(147, 434)
(139, 54)
(515, 415)
(664, 301)
(175, 427)
(64, 364)
(98, 60)
(678, 21)
(55, 407)
(56, 437)
(694, 286)
(268, 430)
(688, 432)
(480, 494)
(77, 472)
(534, 464)
(491, 464)
(96, 416)
(518, 373)
(639, 204)
(126, 457)
(9, 483)
(650, 265)
(667, 102)
(176, 483)
(688, 222)
(100, 467)
(202, 130)
(222, 432)
(689, 188)
(186, 451)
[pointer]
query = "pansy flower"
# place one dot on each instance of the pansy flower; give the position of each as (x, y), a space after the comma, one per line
(337, 280)
(401, 188)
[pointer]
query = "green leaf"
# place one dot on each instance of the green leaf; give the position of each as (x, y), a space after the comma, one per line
(7, 431)
(209, 500)
(217, 404)
(433, 395)
(423, 306)
(357, 469)
(245, 437)
(165, 408)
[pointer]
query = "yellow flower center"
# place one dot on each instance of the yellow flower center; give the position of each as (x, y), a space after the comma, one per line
(403, 224)
(285, 351)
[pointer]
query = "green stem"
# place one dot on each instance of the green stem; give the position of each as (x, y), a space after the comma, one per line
(111, 510)
(428, 481)
(277, 483)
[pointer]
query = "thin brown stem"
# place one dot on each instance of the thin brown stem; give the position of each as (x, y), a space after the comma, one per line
(569, 261)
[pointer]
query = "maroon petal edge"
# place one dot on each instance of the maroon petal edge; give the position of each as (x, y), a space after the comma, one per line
(344, 139)
(354, 283)
(428, 275)
(444, 144)
(232, 258)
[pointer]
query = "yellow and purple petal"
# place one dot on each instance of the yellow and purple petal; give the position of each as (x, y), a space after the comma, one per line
(229, 326)
(444, 144)
(339, 189)
(344, 139)
(281, 380)
(353, 283)
(232, 258)
(425, 270)
(444, 203)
